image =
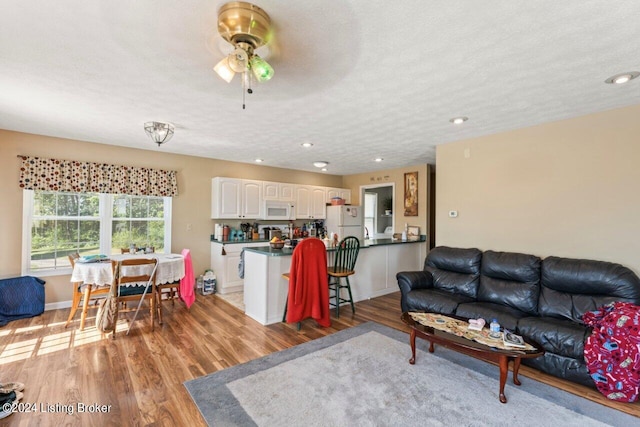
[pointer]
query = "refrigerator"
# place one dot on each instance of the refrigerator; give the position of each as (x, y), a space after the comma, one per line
(345, 221)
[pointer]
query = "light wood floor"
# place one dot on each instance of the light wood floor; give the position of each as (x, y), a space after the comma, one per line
(140, 376)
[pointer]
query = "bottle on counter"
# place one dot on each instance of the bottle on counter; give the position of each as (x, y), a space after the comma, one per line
(225, 232)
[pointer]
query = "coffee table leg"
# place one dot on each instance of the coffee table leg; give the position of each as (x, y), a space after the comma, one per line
(504, 370)
(412, 341)
(516, 368)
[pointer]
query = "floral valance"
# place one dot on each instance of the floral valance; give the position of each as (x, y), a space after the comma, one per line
(86, 177)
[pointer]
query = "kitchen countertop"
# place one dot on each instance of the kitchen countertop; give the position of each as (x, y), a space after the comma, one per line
(269, 251)
(231, 242)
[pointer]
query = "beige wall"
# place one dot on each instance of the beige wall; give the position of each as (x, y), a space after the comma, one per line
(191, 206)
(568, 188)
(353, 182)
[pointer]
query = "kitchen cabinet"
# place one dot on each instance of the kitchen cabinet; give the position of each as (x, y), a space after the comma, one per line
(236, 198)
(278, 191)
(225, 266)
(339, 192)
(311, 202)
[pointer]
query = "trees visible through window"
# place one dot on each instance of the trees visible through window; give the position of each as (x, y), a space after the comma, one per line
(63, 223)
(58, 224)
(138, 220)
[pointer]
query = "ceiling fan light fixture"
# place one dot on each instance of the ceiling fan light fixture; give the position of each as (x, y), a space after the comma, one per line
(247, 28)
(223, 69)
(159, 132)
(238, 60)
(261, 69)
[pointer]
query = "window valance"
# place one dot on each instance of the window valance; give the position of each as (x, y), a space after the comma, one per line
(72, 176)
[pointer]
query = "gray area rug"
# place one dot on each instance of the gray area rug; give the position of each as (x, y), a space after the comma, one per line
(361, 377)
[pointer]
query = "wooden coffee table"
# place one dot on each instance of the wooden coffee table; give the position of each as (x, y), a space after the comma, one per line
(471, 348)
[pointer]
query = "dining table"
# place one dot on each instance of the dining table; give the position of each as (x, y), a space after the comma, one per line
(170, 269)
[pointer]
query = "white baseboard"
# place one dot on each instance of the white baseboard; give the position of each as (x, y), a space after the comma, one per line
(57, 305)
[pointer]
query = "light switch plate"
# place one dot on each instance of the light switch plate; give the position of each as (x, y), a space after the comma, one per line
(453, 214)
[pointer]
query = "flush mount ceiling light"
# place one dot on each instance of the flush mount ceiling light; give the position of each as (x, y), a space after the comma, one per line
(159, 132)
(247, 27)
(621, 78)
(378, 159)
(259, 160)
(459, 120)
(307, 144)
(320, 164)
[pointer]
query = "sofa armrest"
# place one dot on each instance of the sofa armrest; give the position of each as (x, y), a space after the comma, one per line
(410, 280)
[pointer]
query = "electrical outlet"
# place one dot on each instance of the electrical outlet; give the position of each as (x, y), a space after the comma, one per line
(188, 227)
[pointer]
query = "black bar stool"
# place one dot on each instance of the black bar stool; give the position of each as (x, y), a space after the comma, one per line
(343, 267)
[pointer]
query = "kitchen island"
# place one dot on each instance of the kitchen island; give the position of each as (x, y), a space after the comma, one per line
(265, 290)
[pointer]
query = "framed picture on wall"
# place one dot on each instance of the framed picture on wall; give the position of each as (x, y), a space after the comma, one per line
(411, 194)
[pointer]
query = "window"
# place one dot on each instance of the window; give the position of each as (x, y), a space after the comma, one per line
(57, 224)
(137, 220)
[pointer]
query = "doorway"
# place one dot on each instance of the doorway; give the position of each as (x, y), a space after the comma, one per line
(378, 201)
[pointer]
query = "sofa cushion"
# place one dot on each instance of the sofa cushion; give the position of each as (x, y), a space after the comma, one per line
(507, 316)
(558, 336)
(511, 279)
(572, 287)
(455, 270)
(562, 367)
(434, 301)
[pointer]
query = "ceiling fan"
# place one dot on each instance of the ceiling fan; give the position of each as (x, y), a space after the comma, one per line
(246, 27)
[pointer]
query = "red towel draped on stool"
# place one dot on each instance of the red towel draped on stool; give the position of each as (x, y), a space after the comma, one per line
(308, 284)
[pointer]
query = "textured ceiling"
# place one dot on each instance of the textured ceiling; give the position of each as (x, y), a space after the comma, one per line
(358, 79)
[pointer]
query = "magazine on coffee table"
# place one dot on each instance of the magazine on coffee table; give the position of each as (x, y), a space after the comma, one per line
(512, 340)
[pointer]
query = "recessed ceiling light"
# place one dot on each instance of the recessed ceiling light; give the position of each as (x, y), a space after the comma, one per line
(320, 164)
(459, 120)
(621, 78)
(307, 144)
(259, 160)
(379, 159)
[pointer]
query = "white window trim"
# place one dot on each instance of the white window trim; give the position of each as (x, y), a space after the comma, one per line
(106, 221)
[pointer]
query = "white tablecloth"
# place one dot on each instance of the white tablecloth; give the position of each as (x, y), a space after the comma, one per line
(170, 269)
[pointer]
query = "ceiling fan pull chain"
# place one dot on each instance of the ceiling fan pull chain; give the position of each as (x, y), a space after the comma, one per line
(243, 87)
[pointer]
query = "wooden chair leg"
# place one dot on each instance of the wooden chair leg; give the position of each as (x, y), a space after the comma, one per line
(159, 305)
(74, 305)
(152, 304)
(85, 306)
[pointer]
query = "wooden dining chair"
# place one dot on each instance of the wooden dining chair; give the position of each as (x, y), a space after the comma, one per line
(131, 280)
(84, 293)
(344, 266)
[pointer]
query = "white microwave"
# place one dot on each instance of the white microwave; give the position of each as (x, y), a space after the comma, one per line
(277, 210)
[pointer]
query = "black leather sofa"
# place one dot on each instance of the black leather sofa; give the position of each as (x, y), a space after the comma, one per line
(540, 299)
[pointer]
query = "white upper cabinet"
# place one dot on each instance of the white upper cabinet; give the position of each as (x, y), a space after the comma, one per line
(236, 198)
(278, 191)
(339, 192)
(311, 202)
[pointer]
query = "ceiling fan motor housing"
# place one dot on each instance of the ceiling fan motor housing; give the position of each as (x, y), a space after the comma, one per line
(242, 22)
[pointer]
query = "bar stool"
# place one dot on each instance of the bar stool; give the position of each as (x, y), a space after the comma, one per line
(345, 262)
